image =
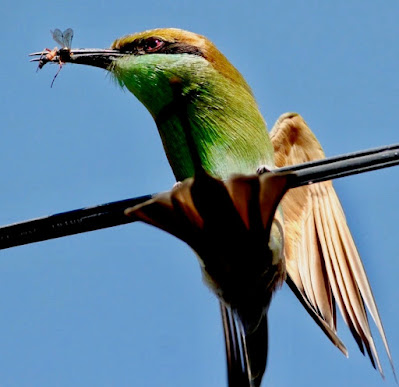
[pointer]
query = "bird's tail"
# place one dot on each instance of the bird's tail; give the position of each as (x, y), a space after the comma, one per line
(246, 349)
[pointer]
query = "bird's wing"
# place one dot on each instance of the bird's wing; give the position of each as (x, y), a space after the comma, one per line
(322, 261)
(229, 225)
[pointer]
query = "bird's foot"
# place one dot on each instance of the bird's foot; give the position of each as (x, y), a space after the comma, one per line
(177, 185)
(263, 169)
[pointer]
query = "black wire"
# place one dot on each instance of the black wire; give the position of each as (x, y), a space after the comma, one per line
(112, 214)
(68, 223)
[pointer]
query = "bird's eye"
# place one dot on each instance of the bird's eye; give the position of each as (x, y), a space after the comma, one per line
(152, 44)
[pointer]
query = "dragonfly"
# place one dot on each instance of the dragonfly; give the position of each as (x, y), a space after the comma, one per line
(64, 39)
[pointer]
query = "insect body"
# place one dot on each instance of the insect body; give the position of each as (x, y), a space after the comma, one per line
(64, 39)
(47, 57)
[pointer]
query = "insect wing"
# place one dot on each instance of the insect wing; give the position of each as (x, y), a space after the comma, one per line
(58, 36)
(67, 37)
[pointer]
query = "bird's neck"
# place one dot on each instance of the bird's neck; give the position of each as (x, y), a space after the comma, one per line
(228, 132)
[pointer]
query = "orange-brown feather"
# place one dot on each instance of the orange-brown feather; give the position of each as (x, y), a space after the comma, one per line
(321, 256)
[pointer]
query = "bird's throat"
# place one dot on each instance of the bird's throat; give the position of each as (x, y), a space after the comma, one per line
(220, 115)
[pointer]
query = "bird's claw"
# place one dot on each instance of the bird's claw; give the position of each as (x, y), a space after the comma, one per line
(177, 185)
(263, 169)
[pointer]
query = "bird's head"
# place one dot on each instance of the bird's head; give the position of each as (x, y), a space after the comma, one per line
(150, 63)
(197, 98)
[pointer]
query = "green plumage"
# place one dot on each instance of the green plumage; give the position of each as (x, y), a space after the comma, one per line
(188, 92)
(228, 130)
(206, 114)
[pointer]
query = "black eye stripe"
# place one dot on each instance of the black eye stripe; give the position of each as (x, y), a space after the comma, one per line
(139, 47)
(180, 48)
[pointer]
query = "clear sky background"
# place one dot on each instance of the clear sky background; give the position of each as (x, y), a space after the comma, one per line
(126, 306)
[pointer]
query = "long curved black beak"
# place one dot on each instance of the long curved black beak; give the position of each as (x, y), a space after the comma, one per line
(102, 58)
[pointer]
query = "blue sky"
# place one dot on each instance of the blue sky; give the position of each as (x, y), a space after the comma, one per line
(126, 306)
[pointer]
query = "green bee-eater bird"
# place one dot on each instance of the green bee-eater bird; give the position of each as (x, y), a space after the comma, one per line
(207, 115)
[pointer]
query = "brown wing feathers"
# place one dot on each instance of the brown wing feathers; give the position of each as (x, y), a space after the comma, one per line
(322, 259)
(229, 224)
(322, 262)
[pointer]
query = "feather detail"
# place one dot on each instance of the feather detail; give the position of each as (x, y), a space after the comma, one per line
(323, 264)
(231, 226)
